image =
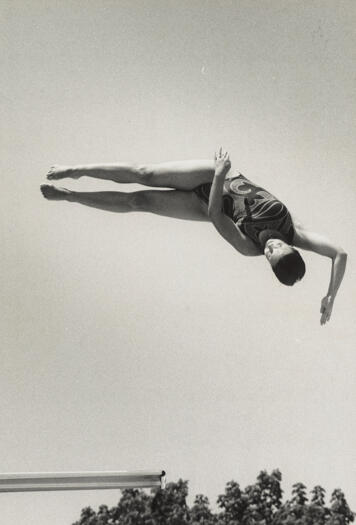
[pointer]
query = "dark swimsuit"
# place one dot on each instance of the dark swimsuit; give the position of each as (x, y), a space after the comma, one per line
(252, 208)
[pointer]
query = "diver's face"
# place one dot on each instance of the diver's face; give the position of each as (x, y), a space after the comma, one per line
(275, 249)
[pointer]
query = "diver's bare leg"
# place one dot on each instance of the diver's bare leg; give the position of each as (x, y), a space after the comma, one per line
(181, 175)
(170, 203)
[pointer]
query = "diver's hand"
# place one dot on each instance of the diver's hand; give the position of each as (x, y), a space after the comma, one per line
(327, 304)
(222, 162)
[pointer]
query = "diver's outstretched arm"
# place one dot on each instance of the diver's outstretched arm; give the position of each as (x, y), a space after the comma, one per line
(321, 245)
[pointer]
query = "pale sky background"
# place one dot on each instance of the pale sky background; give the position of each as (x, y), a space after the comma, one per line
(140, 342)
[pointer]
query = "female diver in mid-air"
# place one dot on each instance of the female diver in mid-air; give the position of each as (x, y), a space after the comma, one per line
(252, 220)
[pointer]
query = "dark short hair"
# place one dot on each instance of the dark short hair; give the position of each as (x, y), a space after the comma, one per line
(290, 268)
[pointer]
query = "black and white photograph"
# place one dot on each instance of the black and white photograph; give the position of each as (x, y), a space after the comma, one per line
(177, 262)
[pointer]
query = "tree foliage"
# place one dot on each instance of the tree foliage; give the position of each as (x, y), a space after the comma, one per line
(257, 504)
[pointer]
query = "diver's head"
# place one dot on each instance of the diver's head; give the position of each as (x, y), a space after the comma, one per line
(286, 262)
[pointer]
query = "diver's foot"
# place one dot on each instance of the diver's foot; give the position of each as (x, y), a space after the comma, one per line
(61, 172)
(56, 194)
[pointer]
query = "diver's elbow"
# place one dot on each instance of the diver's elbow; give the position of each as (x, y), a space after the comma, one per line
(342, 255)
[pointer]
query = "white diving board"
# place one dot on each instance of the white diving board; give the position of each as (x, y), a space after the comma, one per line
(45, 481)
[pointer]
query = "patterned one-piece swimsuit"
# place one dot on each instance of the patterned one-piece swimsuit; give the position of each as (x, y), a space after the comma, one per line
(252, 208)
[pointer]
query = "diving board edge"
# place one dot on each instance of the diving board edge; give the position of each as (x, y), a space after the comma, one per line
(51, 481)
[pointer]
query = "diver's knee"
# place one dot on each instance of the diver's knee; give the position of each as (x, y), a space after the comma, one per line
(145, 174)
(138, 201)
